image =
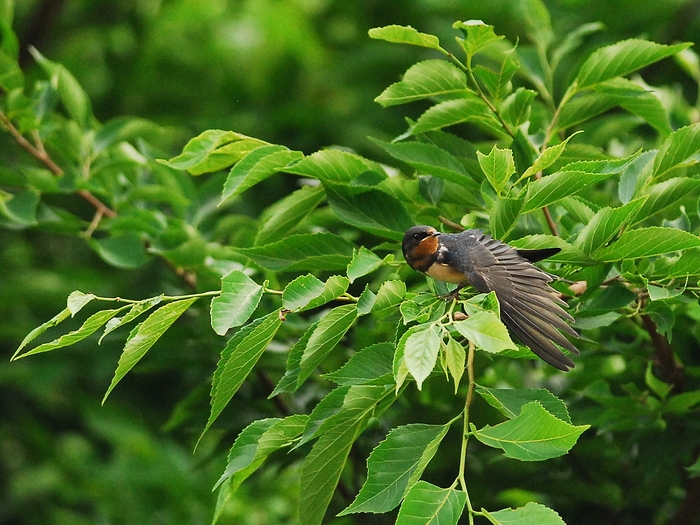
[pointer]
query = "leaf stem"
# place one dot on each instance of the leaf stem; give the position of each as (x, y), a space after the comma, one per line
(465, 430)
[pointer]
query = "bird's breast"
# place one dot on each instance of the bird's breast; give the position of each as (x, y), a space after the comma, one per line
(446, 273)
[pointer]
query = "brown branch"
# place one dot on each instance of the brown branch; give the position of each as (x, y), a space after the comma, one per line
(39, 152)
(451, 224)
(672, 371)
(550, 221)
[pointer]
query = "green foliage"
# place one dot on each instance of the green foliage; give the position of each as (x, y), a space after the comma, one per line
(510, 138)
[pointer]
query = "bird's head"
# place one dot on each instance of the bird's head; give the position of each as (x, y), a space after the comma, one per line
(419, 243)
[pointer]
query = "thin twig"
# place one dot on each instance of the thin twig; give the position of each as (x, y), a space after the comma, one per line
(673, 372)
(38, 151)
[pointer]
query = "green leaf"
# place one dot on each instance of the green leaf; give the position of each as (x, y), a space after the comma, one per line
(306, 251)
(623, 58)
(74, 99)
(90, 326)
(516, 108)
(487, 331)
(324, 410)
(467, 109)
(647, 242)
(389, 295)
(684, 266)
(657, 386)
(568, 254)
(571, 179)
(237, 361)
(538, 22)
(370, 209)
(666, 194)
(426, 504)
(324, 464)
(366, 365)
(77, 300)
(534, 435)
(498, 166)
(134, 312)
(20, 207)
(144, 336)
(365, 302)
(213, 150)
(330, 330)
(420, 346)
(239, 298)
(288, 383)
(395, 465)
(364, 261)
(281, 218)
(455, 356)
(257, 441)
(605, 224)
(405, 35)
(532, 513)
(425, 307)
(334, 165)
(121, 129)
(255, 167)
(123, 251)
(430, 78)
(478, 35)
(307, 292)
(573, 41)
(679, 149)
(509, 401)
(548, 157)
(504, 215)
(431, 159)
(11, 76)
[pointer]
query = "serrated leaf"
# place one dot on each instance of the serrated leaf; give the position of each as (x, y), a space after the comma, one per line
(307, 292)
(487, 331)
(395, 465)
(498, 166)
(686, 265)
(421, 345)
(77, 300)
(365, 302)
(405, 35)
(144, 336)
(647, 242)
(623, 58)
(237, 361)
(516, 108)
(534, 435)
(455, 356)
(370, 209)
(255, 167)
(478, 35)
(334, 166)
(504, 215)
(239, 298)
(324, 464)
(207, 151)
(548, 157)
(605, 224)
(288, 383)
(89, 327)
(430, 78)
(532, 513)
(325, 409)
(330, 330)
(538, 22)
(366, 365)
(426, 504)
(306, 251)
(364, 261)
(431, 159)
(679, 149)
(56, 319)
(135, 311)
(389, 295)
(257, 441)
(466, 109)
(280, 219)
(666, 194)
(509, 401)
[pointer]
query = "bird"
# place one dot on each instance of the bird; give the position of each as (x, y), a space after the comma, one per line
(530, 308)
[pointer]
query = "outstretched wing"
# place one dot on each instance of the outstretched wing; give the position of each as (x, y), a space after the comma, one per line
(529, 306)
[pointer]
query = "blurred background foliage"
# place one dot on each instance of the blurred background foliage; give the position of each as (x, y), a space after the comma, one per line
(302, 73)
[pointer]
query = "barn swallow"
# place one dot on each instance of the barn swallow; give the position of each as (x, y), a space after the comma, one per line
(529, 306)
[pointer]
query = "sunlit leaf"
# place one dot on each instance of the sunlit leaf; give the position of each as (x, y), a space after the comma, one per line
(405, 35)
(430, 78)
(647, 242)
(426, 504)
(239, 298)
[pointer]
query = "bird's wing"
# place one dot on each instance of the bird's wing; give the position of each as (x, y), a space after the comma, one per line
(529, 306)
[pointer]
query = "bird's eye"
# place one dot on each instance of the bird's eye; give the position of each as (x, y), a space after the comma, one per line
(418, 236)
